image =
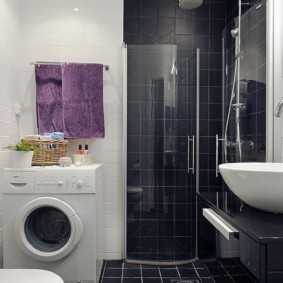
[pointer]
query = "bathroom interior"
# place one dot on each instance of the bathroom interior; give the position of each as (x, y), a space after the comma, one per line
(190, 161)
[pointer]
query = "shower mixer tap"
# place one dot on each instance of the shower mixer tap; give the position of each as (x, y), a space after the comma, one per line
(239, 106)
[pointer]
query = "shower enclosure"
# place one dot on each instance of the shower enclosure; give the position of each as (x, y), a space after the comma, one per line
(162, 154)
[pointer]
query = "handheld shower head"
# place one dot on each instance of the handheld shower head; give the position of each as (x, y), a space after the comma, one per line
(190, 4)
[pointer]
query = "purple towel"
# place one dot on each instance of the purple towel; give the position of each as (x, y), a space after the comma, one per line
(82, 92)
(49, 102)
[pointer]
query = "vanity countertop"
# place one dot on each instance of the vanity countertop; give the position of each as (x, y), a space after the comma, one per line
(263, 227)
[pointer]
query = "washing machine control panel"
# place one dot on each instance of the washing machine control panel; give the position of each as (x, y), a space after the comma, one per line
(53, 181)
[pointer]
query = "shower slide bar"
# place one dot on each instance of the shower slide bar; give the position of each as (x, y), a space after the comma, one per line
(106, 67)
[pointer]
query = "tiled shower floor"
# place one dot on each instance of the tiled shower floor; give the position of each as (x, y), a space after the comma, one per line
(218, 271)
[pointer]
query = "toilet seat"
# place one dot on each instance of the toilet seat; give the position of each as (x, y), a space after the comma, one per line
(28, 276)
(133, 189)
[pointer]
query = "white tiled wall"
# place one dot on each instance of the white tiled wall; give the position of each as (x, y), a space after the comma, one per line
(51, 30)
(9, 84)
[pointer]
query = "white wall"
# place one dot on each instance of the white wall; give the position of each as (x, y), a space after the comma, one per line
(9, 84)
(53, 31)
(50, 30)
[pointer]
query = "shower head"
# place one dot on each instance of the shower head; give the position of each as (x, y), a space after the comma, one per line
(235, 32)
(190, 4)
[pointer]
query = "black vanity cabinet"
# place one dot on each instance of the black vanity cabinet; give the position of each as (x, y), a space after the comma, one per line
(252, 255)
(260, 236)
(264, 261)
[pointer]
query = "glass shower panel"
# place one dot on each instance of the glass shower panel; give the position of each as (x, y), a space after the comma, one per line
(161, 195)
(252, 85)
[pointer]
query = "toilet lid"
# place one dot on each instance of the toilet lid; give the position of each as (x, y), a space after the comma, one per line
(28, 276)
(133, 189)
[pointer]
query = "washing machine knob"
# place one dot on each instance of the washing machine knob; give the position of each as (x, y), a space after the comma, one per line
(80, 183)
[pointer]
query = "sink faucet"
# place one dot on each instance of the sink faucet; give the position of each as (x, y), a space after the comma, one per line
(278, 110)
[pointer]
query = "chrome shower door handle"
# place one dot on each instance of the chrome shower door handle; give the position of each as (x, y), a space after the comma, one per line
(193, 153)
(217, 153)
(216, 157)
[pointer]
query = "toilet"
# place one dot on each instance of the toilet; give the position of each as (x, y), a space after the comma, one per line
(28, 276)
(134, 196)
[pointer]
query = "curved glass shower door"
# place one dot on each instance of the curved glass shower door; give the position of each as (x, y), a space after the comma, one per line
(161, 140)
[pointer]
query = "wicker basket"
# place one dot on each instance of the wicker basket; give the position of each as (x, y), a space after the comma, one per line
(48, 152)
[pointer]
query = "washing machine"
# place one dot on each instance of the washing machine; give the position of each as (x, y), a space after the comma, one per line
(52, 220)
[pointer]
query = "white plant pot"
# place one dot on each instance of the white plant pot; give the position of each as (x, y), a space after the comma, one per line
(22, 159)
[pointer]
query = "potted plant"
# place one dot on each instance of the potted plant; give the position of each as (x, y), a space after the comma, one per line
(22, 153)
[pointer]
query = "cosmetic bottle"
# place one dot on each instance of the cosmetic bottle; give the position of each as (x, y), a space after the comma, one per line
(80, 150)
(86, 150)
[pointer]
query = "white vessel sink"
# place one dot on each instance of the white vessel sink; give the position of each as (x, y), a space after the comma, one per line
(259, 185)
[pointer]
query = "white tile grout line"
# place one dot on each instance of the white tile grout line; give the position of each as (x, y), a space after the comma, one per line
(179, 273)
(122, 275)
(141, 273)
(209, 274)
(160, 275)
(229, 275)
(245, 272)
(195, 269)
(102, 275)
(199, 279)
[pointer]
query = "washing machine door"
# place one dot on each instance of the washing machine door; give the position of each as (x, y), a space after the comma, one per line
(47, 229)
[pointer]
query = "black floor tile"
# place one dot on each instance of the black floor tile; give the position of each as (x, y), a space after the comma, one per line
(189, 265)
(235, 270)
(113, 264)
(150, 273)
(171, 280)
(188, 272)
(223, 279)
(215, 263)
(151, 280)
(198, 264)
(112, 272)
(169, 272)
(243, 279)
(191, 280)
(217, 271)
(130, 265)
(111, 280)
(229, 262)
(202, 272)
(132, 280)
(131, 273)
